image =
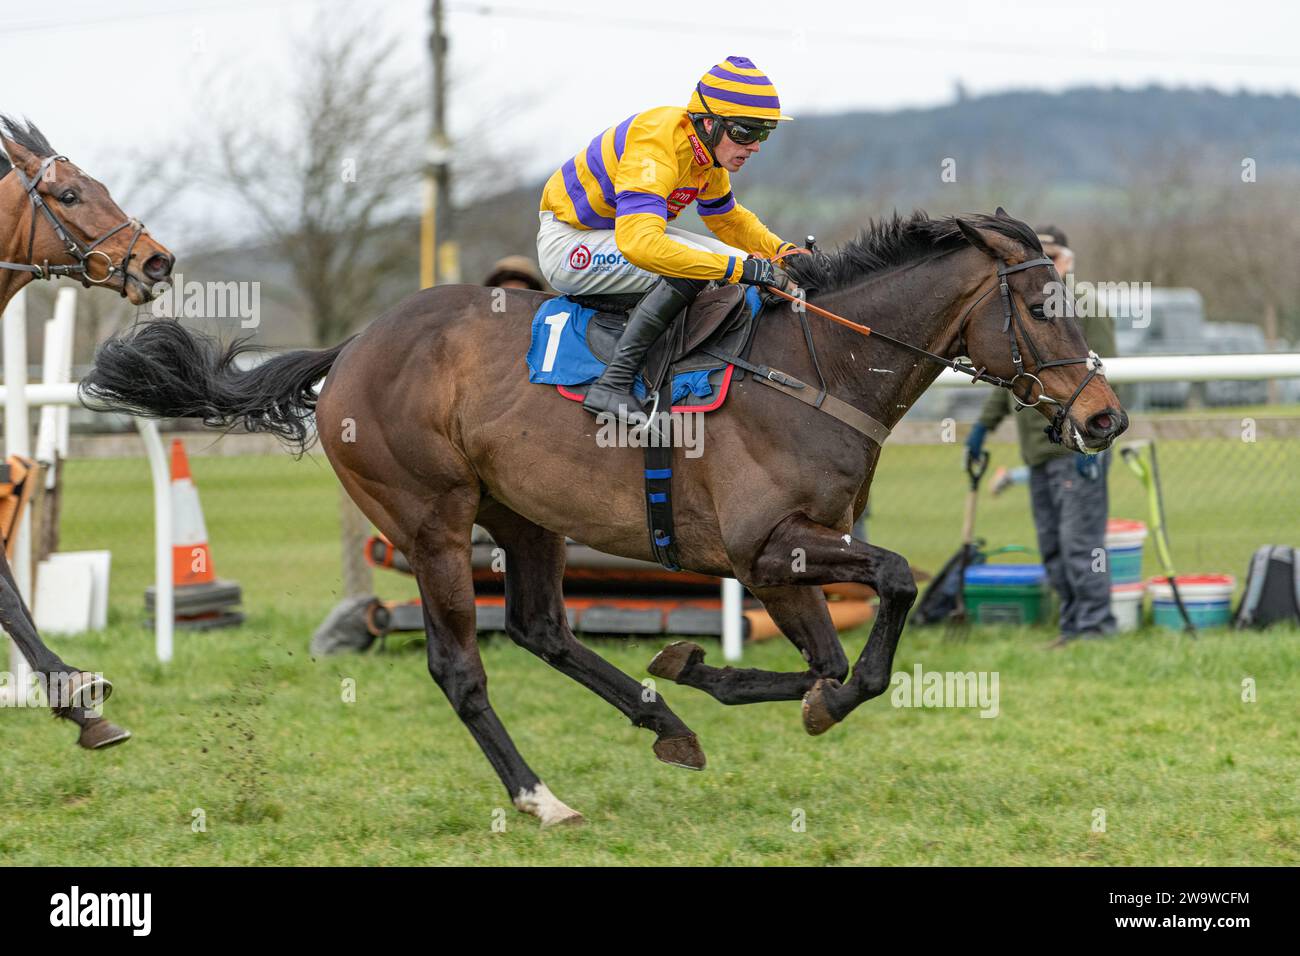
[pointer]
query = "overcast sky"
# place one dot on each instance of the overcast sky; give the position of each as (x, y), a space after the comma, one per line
(104, 79)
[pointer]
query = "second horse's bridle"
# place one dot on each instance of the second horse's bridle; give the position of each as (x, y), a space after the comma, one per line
(82, 253)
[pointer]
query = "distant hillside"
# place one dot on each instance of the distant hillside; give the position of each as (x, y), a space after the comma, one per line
(1084, 136)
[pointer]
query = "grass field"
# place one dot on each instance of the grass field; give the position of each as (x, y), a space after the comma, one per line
(244, 727)
(1152, 730)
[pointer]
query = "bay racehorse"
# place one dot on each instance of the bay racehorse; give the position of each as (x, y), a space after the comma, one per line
(430, 422)
(58, 221)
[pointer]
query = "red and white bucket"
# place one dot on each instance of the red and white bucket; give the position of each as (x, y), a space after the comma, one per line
(1207, 597)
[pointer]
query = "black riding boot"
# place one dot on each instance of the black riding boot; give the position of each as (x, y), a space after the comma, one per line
(612, 392)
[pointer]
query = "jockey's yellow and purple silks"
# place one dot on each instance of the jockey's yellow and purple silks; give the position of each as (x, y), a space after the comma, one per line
(735, 87)
(637, 176)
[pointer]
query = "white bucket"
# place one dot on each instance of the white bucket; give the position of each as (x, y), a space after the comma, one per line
(1126, 605)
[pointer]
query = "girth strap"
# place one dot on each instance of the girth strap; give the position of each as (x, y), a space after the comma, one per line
(659, 479)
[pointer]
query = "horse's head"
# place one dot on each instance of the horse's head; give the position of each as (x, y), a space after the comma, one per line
(67, 220)
(1013, 329)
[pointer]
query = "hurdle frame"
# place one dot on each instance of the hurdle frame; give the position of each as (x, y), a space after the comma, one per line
(57, 394)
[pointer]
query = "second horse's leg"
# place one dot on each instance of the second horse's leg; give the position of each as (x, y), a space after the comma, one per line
(73, 694)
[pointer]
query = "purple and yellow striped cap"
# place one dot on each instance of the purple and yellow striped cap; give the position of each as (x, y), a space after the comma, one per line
(736, 87)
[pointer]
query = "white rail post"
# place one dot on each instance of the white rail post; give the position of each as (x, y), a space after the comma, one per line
(52, 431)
(733, 620)
(18, 442)
(164, 615)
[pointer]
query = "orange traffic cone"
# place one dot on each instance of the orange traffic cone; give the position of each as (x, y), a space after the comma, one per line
(191, 559)
(200, 600)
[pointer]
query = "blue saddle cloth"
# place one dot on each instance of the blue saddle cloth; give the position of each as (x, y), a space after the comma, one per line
(559, 354)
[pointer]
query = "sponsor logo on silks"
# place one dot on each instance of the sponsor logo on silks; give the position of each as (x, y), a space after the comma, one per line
(609, 262)
(579, 257)
(701, 155)
(679, 199)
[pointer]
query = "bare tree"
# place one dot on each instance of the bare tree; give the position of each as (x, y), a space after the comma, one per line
(320, 191)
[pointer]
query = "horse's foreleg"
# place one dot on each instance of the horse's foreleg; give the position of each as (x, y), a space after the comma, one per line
(74, 695)
(826, 556)
(536, 620)
(18, 623)
(440, 560)
(800, 612)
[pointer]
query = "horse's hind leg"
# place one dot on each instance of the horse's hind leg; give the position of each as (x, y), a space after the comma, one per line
(440, 559)
(536, 620)
(800, 612)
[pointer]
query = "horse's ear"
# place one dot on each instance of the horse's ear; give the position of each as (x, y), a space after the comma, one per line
(976, 238)
(22, 157)
(1001, 213)
(990, 242)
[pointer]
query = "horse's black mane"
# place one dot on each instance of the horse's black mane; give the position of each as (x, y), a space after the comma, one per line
(895, 241)
(26, 135)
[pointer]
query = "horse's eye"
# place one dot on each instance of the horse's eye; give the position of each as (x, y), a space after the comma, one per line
(68, 198)
(1037, 311)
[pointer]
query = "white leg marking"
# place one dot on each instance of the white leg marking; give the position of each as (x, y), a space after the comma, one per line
(546, 806)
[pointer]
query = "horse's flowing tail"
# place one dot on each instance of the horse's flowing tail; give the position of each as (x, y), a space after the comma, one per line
(163, 370)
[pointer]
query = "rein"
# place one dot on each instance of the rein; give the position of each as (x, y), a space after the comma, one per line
(83, 254)
(1010, 313)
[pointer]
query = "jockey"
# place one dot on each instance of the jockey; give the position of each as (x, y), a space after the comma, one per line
(606, 213)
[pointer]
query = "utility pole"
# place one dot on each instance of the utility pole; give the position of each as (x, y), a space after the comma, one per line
(439, 254)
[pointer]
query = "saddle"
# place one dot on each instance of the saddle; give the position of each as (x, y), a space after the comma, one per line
(717, 317)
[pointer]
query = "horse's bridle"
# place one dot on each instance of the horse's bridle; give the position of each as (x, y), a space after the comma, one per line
(82, 253)
(1010, 313)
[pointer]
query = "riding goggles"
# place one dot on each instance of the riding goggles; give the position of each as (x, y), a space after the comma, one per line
(742, 134)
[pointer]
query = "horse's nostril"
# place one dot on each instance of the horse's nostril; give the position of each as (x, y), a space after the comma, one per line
(158, 266)
(1107, 424)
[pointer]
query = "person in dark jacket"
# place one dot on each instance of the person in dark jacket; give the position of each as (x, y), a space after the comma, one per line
(1067, 490)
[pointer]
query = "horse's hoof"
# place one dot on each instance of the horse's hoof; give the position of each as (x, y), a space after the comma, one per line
(547, 807)
(681, 751)
(675, 658)
(87, 691)
(817, 717)
(571, 819)
(98, 734)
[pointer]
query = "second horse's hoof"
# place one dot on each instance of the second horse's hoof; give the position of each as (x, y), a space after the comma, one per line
(675, 658)
(817, 717)
(98, 734)
(681, 751)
